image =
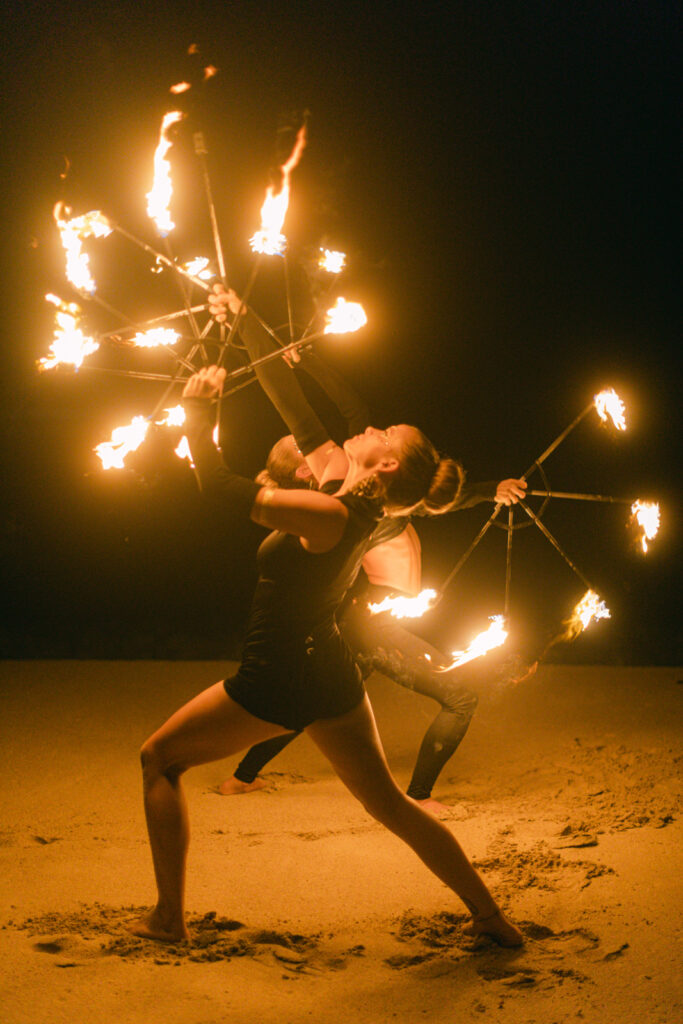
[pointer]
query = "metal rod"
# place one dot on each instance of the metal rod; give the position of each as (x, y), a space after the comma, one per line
(110, 309)
(159, 319)
(463, 558)
(176, 379)
(310, 323)
(288, 294)
(508, 563)
(546, 533)
(273, 355)
(159, 256)
(184, 293)
(129, 323)
(558, 440)
(202, 152)
(242, 306)
(581, 497)
(134, 374)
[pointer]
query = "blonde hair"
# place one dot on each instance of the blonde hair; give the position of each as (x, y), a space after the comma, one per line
(425, 482)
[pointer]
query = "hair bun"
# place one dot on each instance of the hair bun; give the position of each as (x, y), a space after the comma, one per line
(445, 488)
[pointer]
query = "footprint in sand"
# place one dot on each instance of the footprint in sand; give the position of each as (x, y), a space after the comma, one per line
(68, 950)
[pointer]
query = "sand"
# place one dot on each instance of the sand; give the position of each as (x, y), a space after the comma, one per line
(565, 793)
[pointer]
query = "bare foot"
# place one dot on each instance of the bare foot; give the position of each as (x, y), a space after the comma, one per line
(234, 787)
(498, 928)
(152, 926)
(434, 807)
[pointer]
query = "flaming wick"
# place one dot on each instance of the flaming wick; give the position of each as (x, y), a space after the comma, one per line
(646, 514)
(344, 317)
(70, 345)
(269, 240)
(608, 403)
(333, 262)
(159, 197)
(405, 607)
(123, 441)
(73, 233)
(154, 337)
(494, 636)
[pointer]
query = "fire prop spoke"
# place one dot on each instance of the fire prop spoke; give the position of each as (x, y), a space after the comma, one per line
(646, 516)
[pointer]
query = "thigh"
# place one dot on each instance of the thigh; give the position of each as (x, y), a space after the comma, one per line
(209, 727)
(352, 745)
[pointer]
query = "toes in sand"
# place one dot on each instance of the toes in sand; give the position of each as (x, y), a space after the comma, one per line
(151, 926)
(235, 787)
(498, 928)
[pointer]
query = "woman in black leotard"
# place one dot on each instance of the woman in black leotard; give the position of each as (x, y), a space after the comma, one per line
(296, 671)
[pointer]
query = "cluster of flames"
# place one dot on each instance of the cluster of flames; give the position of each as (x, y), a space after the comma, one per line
(127, 439)
(413, 607)
(71, 344)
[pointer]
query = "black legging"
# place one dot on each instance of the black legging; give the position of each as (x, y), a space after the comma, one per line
(380, 643)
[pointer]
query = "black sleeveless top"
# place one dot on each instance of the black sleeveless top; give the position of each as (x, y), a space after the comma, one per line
(295, 667)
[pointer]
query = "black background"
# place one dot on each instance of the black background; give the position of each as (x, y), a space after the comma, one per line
(503, 178)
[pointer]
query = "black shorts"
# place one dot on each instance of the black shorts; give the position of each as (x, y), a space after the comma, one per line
(317, 678)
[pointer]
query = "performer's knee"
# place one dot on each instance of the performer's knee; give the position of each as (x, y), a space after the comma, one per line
(461, 701)
(155, 762)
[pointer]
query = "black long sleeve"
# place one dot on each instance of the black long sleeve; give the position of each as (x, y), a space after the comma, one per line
(226, 490)
(473, 494)
(280, 384)
(350, 405)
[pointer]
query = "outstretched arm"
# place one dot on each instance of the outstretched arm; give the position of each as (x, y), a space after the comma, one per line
(507, 492)
(318, 519)
(280, 384)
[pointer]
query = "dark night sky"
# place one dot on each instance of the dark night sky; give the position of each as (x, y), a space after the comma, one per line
(503, 177)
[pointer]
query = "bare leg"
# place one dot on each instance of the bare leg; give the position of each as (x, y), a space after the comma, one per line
(353, 747)
(209, 727)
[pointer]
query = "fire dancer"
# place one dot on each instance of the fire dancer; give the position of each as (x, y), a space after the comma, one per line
(296, 672)
(392, 566)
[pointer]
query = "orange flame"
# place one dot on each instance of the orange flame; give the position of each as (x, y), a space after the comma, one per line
(70, 345)
(405, 607)
(646, 514)
(494, 636)
(198, 267)
(159, 198)
(183, 449)
(155, 336)
(333, 262)
(344, 317)
(73, 232)
(589, 607)
(269, 239)
(123, 441)
(608, 403)
(175, 417)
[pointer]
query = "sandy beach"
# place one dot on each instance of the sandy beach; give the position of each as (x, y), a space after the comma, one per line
(565, 792)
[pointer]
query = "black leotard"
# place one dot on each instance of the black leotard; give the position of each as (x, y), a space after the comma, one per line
(295, 666)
